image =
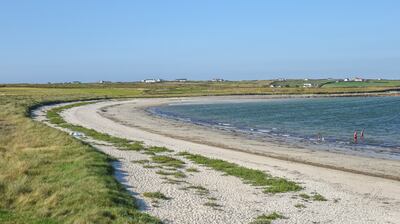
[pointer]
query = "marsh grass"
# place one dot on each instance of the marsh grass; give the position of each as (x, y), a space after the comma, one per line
(249, 176)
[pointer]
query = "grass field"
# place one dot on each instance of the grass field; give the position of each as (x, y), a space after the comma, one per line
(368, 83)
(46, 176)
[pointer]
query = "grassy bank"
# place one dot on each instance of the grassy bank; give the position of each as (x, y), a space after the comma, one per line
(48, 177)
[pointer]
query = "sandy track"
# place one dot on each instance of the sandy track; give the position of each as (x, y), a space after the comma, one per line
(353, 198)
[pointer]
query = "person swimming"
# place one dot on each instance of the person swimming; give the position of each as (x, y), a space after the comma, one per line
(355, 136)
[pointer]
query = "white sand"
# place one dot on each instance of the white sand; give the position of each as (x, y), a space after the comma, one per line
(360, 198)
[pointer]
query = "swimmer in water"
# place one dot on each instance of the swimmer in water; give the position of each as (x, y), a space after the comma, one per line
(355, 136)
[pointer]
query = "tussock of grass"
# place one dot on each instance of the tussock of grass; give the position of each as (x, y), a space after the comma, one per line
(199, 189)
(155, 195)
(176, 174)
(192, 170)
(212, 204)
(168, 161)
(251, 176)
(299, 206)
(151, 166)
(314, 197)
(156, 149)
(173, 181)
(318, 197)
(304, 196)
(142, 161)
(267, 219)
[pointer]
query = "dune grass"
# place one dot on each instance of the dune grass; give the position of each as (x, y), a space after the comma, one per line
(250, 176)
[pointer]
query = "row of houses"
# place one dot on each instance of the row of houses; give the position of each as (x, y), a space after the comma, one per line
(177, 80)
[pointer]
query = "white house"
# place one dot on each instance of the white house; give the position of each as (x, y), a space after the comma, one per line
(307, 85)
(151, 80)
(217, 80)
(181, 80)
(358, 79)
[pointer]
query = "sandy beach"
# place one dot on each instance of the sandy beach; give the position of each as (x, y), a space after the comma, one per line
(358, 189)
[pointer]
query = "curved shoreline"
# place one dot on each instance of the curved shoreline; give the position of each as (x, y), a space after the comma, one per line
(376, 167)
(351, 196)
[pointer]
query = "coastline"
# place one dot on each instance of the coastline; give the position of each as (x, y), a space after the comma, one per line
(352, 197)
(186, 131)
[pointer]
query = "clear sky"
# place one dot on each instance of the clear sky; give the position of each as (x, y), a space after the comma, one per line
(91, 40)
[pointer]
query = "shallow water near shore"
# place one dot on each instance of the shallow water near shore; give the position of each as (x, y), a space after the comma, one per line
(317, 123)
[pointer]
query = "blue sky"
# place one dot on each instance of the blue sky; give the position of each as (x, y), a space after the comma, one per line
(91, 40)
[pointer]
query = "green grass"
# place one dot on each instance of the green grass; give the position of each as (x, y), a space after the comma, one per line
(142, 161)
(298, 83)
(177, 174)
(54, 117)
(305, 196)
(368, 83)
(46, 176)
(155, 195)
(250, 176)
(267, 219)
(168, 161)
(199, 189)
(318, 197)
(192, 170)
(314, 197)
(300, 206)
(156, 149)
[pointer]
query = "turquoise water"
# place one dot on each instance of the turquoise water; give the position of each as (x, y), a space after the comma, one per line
(320, 123)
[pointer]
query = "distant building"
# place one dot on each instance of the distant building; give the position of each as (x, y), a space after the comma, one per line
(307, 85)
(181, 80)
(358, 79)
(346, 80)
(76, 82)
(151, 80)
(104, 82)
(218, 80)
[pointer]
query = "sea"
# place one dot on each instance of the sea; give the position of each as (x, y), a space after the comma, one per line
(327, 123)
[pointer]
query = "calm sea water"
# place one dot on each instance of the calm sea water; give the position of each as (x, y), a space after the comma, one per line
(320, 123)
